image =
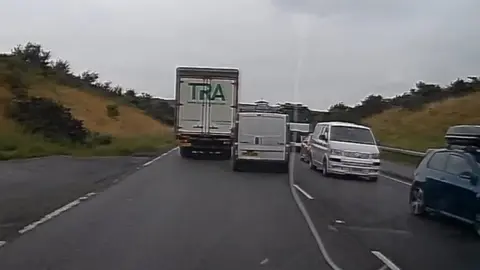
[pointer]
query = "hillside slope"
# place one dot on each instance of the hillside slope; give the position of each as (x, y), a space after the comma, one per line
(132, 130)
(45, 109)
(419, 130)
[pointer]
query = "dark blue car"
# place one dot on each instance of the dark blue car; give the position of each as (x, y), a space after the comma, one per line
(447, 180)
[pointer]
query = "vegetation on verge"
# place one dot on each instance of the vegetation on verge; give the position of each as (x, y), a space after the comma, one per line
(425, 128)
(418, 119)
(45, 109)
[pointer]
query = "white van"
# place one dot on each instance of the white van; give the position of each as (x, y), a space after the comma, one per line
(261, 137)
(344, 148)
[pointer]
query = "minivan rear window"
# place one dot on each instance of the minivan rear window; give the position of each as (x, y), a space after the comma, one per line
(351, 134)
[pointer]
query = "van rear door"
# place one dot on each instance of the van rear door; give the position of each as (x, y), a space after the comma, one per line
(262, 136)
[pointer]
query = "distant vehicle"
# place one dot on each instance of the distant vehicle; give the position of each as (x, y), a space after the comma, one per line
(261, 137)
(298, 131)
(446, 180)
(305, 148)
(344, 148)
(206, 105)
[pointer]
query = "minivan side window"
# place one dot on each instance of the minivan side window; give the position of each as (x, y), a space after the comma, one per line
(437, 161)
(325, 131)
(457, 165)
(319, 131)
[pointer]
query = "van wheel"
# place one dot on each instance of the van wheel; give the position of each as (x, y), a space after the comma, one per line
(284, 167)
(236, 165)
(185, 152)
(227, 154)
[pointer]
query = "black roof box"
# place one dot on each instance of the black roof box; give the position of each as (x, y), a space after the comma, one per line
(463, 135)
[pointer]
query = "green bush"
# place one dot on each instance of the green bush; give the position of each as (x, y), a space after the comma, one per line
(112, 110)
(44, 116)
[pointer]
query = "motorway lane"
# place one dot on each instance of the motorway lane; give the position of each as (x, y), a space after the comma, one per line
(176, 214)
(376, 217)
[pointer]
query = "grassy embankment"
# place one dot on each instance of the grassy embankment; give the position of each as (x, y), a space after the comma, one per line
(423, 129)
(132, 130)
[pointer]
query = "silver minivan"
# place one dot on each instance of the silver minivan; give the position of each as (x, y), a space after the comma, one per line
(261, 137)
(344, 148)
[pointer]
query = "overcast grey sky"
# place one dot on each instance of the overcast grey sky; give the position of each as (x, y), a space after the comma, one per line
(348, 48)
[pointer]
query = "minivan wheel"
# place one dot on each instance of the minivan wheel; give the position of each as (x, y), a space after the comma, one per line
(417, 202)
(310, 163)
(325, 168)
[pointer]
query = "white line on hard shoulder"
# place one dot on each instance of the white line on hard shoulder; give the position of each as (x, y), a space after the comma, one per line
(73, 204)
(385, 260)
(303, 192)
(396, 180)
(159, 157)
(55, 213)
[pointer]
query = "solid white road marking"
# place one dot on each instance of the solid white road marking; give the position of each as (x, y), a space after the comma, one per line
(264, 261)
(159, 157)
(309, 221)
(303, 192)
(385, 260)
(396, 180)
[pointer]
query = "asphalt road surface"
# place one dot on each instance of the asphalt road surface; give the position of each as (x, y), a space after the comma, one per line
(356, 217)
(198, 214)
(31, 188)
(175, 214)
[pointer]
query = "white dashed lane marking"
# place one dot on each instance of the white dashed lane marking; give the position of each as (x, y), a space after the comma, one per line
(303, 192)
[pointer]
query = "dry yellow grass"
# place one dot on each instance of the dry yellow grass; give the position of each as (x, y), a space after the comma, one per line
(91, 109)
(425, 128)
(132, 130)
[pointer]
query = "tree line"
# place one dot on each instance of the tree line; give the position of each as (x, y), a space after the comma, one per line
(413, 100)
(32, 57)
(36, 58)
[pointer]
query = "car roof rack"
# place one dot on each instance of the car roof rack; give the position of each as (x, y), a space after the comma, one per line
(463, 137)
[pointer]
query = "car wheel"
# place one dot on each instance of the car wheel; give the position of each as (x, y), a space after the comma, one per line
(476, 226)
(417, 202)
(373, 179)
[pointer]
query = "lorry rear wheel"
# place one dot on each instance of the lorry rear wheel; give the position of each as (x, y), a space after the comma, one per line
(185, 152)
